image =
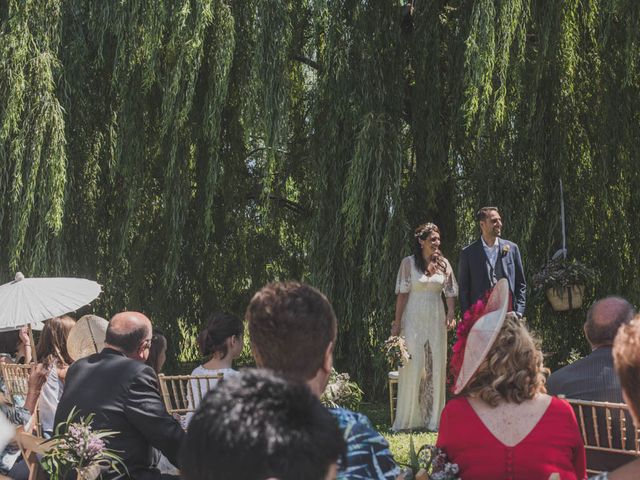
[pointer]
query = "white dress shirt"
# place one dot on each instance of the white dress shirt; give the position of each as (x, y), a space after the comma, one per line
(491, 252)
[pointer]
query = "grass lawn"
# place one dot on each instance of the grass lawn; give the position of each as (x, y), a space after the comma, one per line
(378, 413)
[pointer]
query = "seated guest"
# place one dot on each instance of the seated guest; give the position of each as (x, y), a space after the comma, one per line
(52, 353)
(15, 346)
(157, 352)
(122, 392)
(260, 426)
(292, 329)
(221, 343)
(626, 358)
(502, 424)
(592, 377)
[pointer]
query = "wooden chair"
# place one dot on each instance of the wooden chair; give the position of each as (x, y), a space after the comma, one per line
(30, 447)
(183, 393)
(16, 379)
(393, 394)
(609, 436)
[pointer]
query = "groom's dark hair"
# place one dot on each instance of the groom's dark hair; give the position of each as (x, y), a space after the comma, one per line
(483, 213)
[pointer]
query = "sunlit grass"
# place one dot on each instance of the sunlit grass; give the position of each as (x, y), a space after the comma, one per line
(378, 413)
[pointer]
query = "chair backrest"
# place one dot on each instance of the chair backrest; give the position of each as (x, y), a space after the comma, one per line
(609, 436)
(16, 379)
(183, 393)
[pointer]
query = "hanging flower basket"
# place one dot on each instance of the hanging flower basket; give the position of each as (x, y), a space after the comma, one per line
(564, 282)
(568, 298)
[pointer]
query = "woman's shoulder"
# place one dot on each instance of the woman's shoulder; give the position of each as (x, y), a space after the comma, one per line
(457, 405)
(407, 260)
(561, 407)
(202, 370)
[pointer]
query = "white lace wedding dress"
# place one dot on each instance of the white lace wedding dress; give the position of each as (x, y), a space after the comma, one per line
(422, 382)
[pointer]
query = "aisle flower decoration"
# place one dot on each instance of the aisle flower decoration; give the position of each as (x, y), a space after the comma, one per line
(341, 391)
(430, 463)
(396, 351)
(80, 449)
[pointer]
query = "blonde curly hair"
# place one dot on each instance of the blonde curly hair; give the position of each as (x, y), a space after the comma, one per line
(513, 370)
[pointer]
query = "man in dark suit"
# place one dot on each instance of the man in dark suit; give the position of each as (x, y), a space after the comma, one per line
(593, 377)
(489, 259)
(122, 392)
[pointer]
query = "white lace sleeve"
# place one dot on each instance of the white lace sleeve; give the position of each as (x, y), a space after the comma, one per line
(403, 282)
(450, 284)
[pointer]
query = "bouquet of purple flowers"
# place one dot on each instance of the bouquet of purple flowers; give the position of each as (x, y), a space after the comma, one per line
(76, 446)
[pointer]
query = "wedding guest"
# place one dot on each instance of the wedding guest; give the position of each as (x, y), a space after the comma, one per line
(292, 330)
(53, 354)
(15, 346)
(157, 352)
(502, 424)
(260, 426)
(221, 343)
(122, 392)
(626, 358)
(156, 360)
(593, 378)
(423, 279)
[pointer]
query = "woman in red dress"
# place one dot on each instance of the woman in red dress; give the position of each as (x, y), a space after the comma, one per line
(502, 424)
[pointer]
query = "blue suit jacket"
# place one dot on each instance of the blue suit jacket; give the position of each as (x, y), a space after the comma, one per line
(473, 274)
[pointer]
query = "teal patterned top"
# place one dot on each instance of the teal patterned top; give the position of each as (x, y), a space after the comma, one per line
(368, 455)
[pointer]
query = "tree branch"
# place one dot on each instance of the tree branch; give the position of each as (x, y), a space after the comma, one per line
(307, 61)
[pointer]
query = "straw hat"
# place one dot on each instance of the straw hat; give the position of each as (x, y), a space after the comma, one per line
(87, 336)
(483, 334)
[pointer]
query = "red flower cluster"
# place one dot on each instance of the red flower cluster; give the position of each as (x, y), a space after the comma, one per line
(469, 318)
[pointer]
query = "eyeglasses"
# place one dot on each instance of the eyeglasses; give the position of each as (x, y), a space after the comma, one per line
(147, 342)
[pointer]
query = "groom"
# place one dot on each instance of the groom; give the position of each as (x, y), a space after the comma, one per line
(489, 259)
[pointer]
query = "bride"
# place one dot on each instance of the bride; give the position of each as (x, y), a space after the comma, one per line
(420, 318)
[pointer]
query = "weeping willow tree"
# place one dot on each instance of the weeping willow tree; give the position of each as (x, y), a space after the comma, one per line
(186, 152)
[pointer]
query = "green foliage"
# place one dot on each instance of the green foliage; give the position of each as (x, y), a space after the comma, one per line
(184, 153)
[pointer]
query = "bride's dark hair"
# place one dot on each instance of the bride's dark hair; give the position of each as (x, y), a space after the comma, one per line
(423, 232)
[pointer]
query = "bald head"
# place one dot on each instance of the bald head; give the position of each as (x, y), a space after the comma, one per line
(128, 332)
(604, 318)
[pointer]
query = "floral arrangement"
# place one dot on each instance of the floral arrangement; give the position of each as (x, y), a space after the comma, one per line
(469, 318)
(505, 250)
(430, 463)
(396, 351)
(560, 273)
(79, 448)
(341, 391)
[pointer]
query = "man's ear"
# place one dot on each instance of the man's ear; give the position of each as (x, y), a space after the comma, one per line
(327, 362)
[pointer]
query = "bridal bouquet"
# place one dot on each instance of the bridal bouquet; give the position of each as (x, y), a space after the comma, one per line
(80, 449)
(396, 351)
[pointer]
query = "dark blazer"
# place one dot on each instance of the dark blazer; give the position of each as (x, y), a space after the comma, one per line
(473, 274)
(590, 378)
(123, 394)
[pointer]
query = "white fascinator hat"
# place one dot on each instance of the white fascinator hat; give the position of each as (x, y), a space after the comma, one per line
(483, 334)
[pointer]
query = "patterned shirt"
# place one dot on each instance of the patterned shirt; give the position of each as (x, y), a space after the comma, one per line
(368, 454)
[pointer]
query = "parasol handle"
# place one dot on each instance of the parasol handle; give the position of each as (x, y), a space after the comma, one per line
(34, 355)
